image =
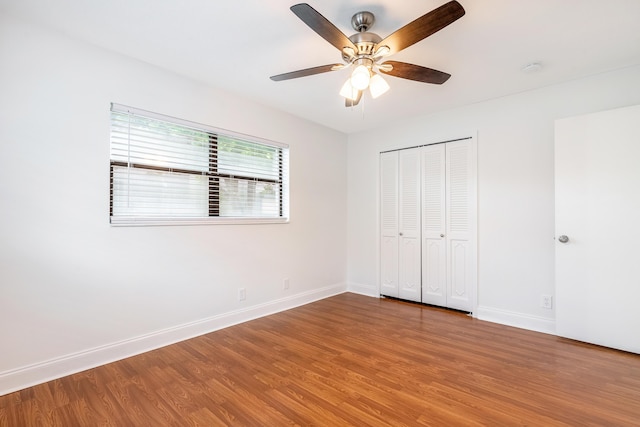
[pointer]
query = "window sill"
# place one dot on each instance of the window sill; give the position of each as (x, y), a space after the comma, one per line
(144, 222)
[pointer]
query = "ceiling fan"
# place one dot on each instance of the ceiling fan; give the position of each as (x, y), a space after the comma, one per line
(364, 51)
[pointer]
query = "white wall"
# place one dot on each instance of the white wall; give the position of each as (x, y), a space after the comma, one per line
(515, 189)
(76, 292)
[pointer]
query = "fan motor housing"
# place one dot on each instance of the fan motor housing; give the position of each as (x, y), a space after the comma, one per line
(365, 42)
(362, 21)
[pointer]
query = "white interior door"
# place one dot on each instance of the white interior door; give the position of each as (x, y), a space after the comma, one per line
(460, 219)
(597, 198)
(409, 227)
(448, 218)
(389, 224)
(434, 245)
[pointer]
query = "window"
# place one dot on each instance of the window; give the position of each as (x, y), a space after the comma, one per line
(167, 171)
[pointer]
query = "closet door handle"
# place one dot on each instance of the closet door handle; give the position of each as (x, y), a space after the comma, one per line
(400, 234)
(442, 235)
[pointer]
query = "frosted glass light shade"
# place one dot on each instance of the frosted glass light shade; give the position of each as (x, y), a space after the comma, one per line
(378, 86)
(348, 91)
(360, 77)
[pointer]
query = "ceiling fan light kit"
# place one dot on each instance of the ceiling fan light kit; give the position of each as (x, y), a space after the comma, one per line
(348, 91)
(378, 86)
(364, 51)
(361, 74)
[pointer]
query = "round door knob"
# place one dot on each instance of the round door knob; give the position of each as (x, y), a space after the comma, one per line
(563, 239)
(442, 235)
(400, 234)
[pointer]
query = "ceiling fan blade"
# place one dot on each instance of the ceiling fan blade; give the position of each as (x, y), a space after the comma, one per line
(416, 72)
(423, 27)
(306, 72)
(352, 103)
(322, 26)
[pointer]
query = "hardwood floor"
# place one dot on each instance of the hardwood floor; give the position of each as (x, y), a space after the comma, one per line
(348, 360)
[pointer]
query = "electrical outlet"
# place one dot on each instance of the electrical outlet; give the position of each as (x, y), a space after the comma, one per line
(547, 302)
(242, 294)
(285, 284)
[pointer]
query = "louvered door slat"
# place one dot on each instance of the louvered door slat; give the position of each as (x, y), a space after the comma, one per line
(389, 224)
(459, 249)
(434, 254)
(409, 230)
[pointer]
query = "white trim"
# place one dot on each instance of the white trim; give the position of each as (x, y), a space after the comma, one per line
(121, 221)
(473, 201)
(518, 320)
(27, 376)
(366, 290)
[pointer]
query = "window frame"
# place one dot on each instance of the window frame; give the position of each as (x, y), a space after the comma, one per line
(213, 175)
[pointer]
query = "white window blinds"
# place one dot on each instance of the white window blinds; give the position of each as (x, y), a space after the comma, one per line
(169, 170)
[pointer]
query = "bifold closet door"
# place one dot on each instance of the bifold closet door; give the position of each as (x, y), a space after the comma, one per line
(460, 211)
(434, 245)
(409, 225)
(400, 222)
(427, 248)
(448, 189)
(389, 224)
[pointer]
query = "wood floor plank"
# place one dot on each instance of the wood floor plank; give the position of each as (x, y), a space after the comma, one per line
(348, 360)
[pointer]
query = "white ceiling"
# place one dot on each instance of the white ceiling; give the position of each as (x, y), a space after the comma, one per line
(237, 45)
